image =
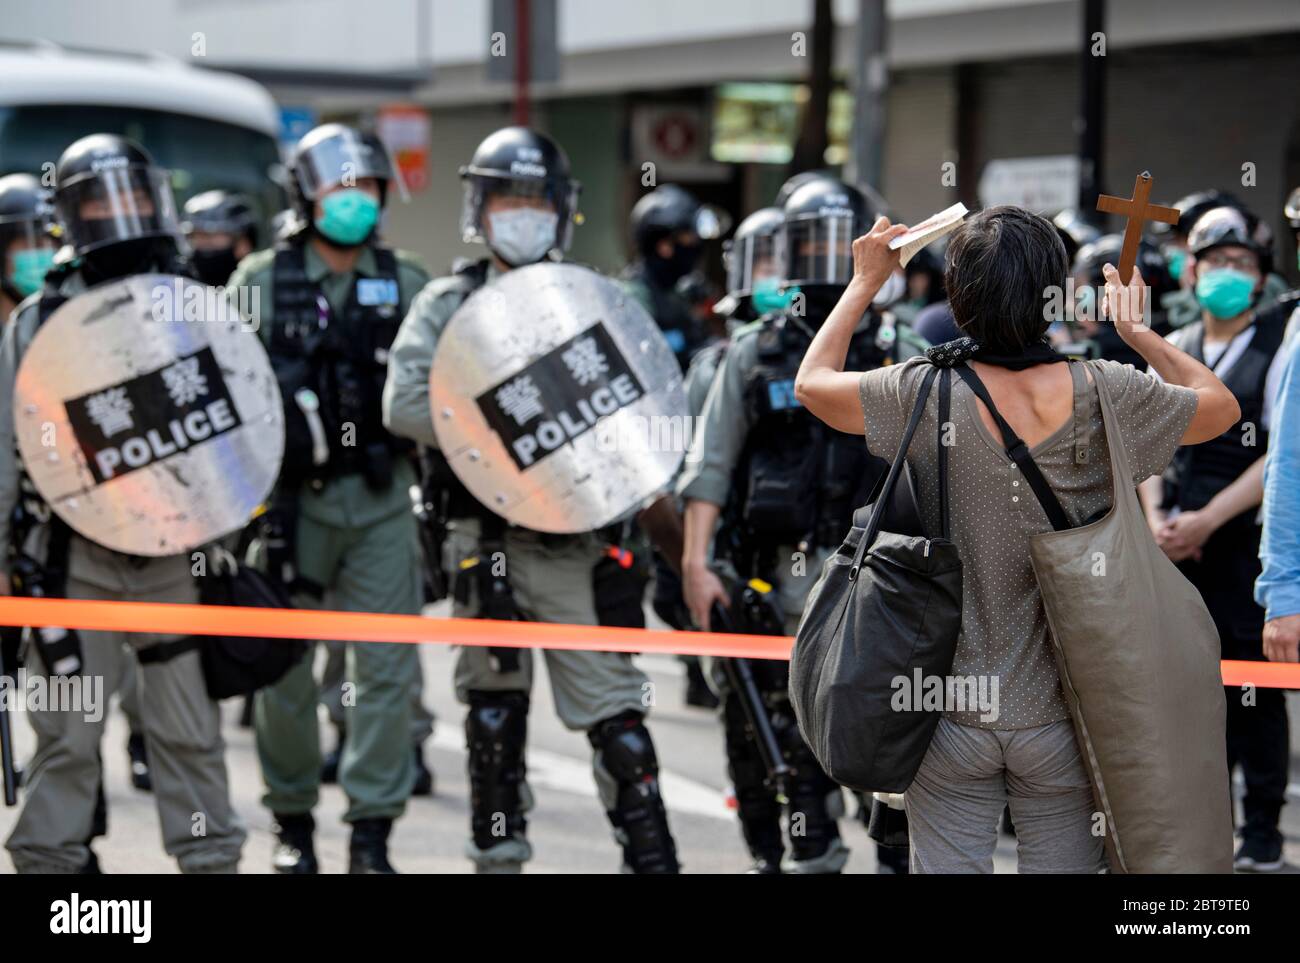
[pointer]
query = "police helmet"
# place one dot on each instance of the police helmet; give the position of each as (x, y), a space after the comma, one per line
(108, 190)
(1106, 249)
(669, 209)
(519, 162)
(821, 220)
(796, 181)
(1235, 227)
(1075, 231)
(1191, 208)
(334, 154)
(751, 253)
(26, 211)
(220, 212)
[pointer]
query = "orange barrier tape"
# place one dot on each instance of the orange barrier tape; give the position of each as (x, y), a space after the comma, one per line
(1262, 675)
(168, 619)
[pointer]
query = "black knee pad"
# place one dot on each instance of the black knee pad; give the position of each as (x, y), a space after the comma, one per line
(496, 731)
(639, 818)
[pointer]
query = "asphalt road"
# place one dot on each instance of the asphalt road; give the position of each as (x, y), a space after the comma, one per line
(567, 828)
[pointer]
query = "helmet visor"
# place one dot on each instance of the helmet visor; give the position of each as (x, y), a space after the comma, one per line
(219, 222)
(749, 259)
(343, 159)
(818, 250)
(559, 195)
(117, 204)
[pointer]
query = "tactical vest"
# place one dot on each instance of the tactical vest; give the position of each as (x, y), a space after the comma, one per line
(343, 360)
(1199, 472)
(799, 480)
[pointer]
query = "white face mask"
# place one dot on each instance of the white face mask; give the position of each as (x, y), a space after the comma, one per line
(895, 287)
(522, 236)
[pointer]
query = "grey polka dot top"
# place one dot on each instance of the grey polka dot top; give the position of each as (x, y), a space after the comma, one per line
(1003, 641)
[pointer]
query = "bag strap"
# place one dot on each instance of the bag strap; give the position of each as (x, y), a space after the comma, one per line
(895, 469)
(945, 417)
(1018, 452)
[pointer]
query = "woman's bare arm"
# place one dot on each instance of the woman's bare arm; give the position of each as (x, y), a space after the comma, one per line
(1216, 408)
(822, 385)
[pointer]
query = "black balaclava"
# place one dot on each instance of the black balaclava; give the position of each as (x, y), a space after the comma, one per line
(141, 255)
(666, 272)
(214, 266)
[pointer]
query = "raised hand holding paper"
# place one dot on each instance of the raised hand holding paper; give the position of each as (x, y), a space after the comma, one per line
(931, 229)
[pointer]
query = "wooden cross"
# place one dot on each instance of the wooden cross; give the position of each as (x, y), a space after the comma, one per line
(1138, 210)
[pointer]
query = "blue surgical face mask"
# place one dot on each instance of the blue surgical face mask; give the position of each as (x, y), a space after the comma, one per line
(348, 216)
(1225, 292)
(30, 267)
(1177, 260)
(768, 296)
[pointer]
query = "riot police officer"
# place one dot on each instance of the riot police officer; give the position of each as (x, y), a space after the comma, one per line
(26, 246)
(222, 230)
(520, 200)
(784, 488)
(752, 282)
(753, 289)
(342, 525)
(120, 219)
(668, 228)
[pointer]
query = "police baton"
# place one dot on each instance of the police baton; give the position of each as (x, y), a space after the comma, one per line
(7, 739)
(740, 675)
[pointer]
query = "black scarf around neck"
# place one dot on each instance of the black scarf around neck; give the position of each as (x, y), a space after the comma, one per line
(952, 353)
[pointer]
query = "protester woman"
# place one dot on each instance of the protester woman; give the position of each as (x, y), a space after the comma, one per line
(1004, 266)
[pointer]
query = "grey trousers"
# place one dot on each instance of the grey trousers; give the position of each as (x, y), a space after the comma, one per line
(182, 731)
(969, 775)
(551, 585)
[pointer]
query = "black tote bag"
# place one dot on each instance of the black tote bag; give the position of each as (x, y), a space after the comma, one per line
(240, 665)
(887, 605)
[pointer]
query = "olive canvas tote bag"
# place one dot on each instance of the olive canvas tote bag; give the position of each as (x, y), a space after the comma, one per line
(1138, 656)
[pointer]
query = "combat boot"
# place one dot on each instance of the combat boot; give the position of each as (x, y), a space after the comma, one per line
(368, 851)
(294, 852)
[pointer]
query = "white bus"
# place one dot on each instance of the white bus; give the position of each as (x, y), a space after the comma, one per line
(211, 129)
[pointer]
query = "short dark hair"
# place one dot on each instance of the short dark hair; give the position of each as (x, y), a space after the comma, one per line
(1000, 265)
